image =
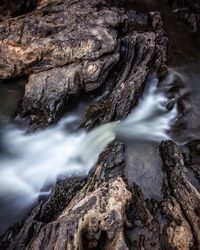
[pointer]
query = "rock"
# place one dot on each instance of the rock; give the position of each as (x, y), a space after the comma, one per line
(173, 222)
(193, 160)
(177, 233)
(19, 236)
(59, 200)
(80, 55)
(129, 80)
(185, 194)
(23, 234)
(49, 93)
(188, 12)
(57, 33)
(145, 231)
(97, 219)
(16, 7)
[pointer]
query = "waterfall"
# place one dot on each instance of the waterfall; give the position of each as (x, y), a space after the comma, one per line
(37, 160)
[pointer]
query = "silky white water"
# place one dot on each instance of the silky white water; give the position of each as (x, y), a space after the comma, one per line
(37, 160)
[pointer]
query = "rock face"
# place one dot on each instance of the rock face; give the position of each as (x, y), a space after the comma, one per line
(16, 7)
(184, 193)
(57, 33)
(188, 12)
(67, 49)
(96, 220)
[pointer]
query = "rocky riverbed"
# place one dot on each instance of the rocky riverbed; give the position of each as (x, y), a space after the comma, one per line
(69, 51)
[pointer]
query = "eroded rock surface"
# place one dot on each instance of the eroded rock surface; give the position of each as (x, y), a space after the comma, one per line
(193, 160)
(185, 194)
(57, 33)
(120, 61)
(97, 219)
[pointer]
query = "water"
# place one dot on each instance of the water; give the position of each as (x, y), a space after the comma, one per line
(143, 163)
(33, 162)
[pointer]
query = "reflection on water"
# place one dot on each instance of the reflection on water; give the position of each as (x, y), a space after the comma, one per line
(10, 95)
(144, 168)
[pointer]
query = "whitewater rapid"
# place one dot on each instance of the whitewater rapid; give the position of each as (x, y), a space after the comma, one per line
(35, 161)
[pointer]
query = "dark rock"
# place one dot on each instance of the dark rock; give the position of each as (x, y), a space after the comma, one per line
(49, 93)
(188, 11)
(22, 235)
(193, 159)
(179, 187)
(172, 223)
(80, 55)
(145, 227)
(63, 193)
(88, 217)
(57, 33)
(16, 7)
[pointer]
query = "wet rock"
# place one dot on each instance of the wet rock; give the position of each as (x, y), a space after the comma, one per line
(193, 160)
(57, 33)
(173, 222)
(59, 200)
(89, 221)
(92, 218)
(177, 233)
(188, 12)
(92, 47)
(49, 93)
(20, 235)
(16, 7)
(145, 231)
(137, 52)
(185, 194)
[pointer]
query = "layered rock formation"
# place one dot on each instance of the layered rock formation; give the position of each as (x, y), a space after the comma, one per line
(67, 49)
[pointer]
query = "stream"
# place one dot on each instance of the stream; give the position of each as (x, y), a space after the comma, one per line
(30, 164)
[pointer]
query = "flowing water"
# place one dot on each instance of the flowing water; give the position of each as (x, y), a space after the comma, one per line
(31, 163)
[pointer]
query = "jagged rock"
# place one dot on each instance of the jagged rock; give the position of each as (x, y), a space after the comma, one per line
(89, 221)
(189, 12)
(145, 231)
(58, 33)
(173, 222)
(185, 194)
(193, 159)
(43, 213)
(48, 93)
(138, 53)
(16, 7)
(80, 55)
(177, 233)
